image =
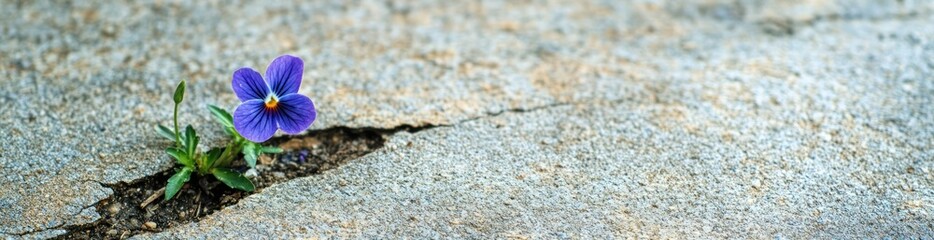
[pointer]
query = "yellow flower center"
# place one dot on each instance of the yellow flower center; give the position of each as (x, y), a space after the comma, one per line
(272, 102)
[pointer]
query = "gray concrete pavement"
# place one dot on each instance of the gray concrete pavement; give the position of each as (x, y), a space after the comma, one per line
(561, 119)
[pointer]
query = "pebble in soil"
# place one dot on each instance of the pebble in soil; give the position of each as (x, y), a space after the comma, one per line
(313, 153)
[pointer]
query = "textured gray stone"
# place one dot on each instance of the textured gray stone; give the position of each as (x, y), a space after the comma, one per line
(603, 170)
(697, 118)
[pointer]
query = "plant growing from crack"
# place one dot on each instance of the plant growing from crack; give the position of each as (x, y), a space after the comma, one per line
(266, 106)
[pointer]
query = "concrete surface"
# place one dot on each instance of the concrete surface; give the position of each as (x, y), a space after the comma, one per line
(562, 119)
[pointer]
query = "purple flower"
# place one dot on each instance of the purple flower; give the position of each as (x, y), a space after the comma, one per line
(274, 103)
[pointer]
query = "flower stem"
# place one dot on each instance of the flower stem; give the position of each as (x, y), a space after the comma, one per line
(178, 139)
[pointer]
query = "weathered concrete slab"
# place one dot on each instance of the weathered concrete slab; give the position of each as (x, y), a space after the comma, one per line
(604, 171)
(834, 92)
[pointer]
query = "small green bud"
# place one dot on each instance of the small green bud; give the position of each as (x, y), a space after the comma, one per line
(180, 92)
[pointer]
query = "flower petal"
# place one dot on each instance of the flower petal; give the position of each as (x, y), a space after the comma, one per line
(284, 74)
(253, 121)
(296, 113)
(248, 84)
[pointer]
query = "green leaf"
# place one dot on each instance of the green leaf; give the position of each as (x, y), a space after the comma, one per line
(179, 92)
(250, 154)
(221, 115)
(176, 182)
(233, 179)
(181, 156)
(191, 140)
(231, 131)
(271, 149)
(165, 132)
(212, 156)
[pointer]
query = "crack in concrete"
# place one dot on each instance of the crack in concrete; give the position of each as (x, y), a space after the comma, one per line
(56, 227)
(59, 226)
(517, 110)
(788, 27)
(387, 131)
(511, 110)
(417, 128)
(66, 224)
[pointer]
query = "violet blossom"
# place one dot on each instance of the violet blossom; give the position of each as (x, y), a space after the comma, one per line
(273, 103)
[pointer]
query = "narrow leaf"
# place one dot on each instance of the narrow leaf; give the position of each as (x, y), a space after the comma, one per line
(212, 156)
(165, 132)
(176, 182)
(233, 179)
(179, 92)
(271, 149)
(250, 154)
(180, 156)
(191, 140)
(221, 115)
(231, 132)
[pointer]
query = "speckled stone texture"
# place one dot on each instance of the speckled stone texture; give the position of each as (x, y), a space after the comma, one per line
(557, 119)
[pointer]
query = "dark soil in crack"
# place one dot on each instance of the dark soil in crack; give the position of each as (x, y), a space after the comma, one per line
(318, 151)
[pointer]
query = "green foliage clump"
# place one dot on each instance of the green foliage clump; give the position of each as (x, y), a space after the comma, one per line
(215, 162)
